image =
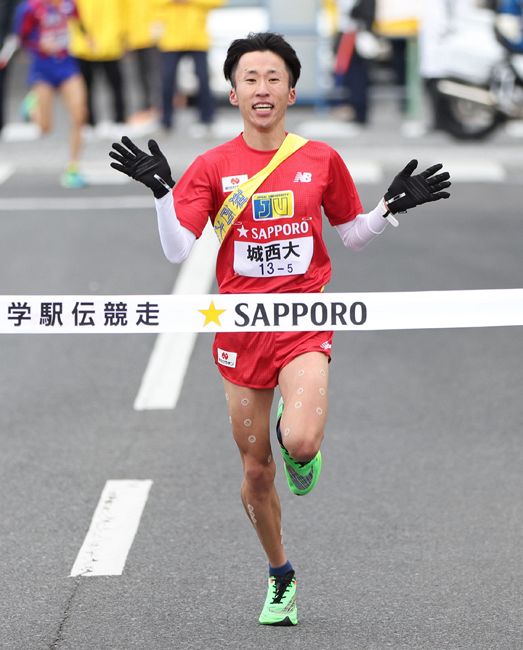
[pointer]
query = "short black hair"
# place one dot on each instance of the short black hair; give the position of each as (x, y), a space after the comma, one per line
(262, 42)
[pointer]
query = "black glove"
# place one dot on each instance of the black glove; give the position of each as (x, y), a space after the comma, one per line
(407, 191)
(151, 170)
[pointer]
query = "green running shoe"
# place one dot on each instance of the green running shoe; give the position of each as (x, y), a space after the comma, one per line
(72, 179)
(28, 107)
(280, 605)
(301, 477)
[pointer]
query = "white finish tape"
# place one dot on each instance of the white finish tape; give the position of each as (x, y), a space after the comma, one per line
(260, 312)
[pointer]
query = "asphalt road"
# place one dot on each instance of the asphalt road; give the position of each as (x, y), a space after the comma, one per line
(412, 539)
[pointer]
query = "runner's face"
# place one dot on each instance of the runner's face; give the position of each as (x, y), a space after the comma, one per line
(262, 90)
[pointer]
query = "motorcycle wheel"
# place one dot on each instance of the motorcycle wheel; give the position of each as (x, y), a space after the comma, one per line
(466, 120)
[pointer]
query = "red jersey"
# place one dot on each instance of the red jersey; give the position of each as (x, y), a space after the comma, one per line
(276, 244)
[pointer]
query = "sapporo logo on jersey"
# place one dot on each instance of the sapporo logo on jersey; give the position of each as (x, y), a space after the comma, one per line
(273, 205)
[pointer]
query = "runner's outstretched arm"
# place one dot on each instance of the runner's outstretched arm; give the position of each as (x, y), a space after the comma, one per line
(405, 192)
(154, 172)
(177, 240)
(150, 169)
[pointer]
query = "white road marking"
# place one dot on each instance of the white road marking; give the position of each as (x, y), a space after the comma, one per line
(99, 173)
(226, 129)
(113, 528)
(20, 132)
(514, 129)
(77, 202)
(363, 171)
(6, 171)
(475, 171)
(165, 372)
(318, 129)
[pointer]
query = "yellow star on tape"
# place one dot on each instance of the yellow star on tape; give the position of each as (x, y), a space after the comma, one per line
(212, 315)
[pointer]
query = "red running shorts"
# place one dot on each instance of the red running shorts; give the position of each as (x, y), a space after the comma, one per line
(255, 359)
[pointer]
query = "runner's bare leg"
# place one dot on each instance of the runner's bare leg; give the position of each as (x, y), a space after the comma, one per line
(75, 98)
(249, 410)
(304, 384)
(43, 111)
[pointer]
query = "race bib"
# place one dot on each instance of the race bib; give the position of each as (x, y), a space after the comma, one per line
(54, 30)
(281, 257)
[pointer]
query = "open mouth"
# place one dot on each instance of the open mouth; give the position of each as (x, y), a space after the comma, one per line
(263, 107)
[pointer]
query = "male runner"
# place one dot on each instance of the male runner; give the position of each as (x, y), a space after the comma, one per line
(263, 70)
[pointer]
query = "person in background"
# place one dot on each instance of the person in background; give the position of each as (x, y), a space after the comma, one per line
(8, 45)
(141, 35)
(99, 50)
(184, 34)
(397, 22)
(509, 24)
(351, 69)
(435, 23)
(43, 29)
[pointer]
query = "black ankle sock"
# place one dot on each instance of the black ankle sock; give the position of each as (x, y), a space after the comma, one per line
(280, 571)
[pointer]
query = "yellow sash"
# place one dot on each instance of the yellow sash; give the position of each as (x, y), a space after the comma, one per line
(235, 203)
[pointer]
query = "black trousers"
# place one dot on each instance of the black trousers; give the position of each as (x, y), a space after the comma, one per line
(113, 75)
(147, 66)
(170, 61)
(3, 86)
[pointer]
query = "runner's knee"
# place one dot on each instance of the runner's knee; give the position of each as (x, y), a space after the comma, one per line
(259, 475)
(303, 449)
(302, 433)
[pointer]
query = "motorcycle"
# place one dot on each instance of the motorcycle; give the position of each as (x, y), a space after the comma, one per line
(482, 87)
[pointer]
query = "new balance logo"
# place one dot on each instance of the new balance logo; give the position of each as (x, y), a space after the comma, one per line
(303, 177)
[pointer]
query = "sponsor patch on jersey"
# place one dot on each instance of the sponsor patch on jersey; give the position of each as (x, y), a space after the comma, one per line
(226, 358)
(230, 183)
(273, 205)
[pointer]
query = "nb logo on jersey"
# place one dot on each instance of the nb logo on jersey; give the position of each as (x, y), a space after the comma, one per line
(303, 177)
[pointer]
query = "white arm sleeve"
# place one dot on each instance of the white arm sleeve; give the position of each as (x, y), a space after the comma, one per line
(177, 241)
(356, 234)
